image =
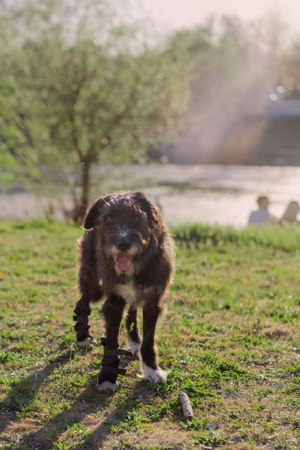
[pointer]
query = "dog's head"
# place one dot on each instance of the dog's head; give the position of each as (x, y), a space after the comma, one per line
(127, 224)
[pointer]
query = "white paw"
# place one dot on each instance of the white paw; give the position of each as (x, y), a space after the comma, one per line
(154, 375)
(86, 342)
(107, 386)
(134, 346)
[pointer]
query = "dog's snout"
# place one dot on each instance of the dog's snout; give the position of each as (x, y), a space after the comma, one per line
(123, 244)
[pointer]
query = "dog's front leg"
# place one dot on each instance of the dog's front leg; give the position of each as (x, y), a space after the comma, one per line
(91, 291)
(113, 311)
(81, 316)
(149, 359)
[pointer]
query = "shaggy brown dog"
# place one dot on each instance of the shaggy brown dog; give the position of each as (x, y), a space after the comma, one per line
(126, 255)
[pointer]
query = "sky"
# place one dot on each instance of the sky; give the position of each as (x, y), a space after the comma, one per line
(185, 13)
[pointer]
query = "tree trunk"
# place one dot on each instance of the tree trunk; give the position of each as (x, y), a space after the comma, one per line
(84, 190)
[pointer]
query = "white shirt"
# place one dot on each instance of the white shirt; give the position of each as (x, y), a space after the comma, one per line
(260, 217)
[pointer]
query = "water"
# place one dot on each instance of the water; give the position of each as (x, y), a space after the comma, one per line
(222, 195)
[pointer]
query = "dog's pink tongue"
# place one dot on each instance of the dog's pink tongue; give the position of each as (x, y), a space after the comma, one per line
(123, 262)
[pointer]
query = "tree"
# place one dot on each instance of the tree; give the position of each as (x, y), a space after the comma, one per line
(95, 92)
(234, 69)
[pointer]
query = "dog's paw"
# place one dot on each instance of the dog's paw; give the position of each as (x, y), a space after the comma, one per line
(154, 375)
(134, 347)
(86, 342)
(106, 386)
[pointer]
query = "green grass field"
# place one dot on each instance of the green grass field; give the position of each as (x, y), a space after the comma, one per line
(230, 338)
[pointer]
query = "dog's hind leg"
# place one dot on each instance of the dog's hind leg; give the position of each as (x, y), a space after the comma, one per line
(149, 358)
(134, 341)
(113, 311)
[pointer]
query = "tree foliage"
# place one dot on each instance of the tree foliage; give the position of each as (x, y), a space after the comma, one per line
(81, 85)
(235, 67)
(94, 92)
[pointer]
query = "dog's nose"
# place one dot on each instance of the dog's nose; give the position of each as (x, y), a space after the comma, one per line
(123, 244)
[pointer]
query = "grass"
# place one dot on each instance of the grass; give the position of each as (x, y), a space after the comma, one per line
(230, 338)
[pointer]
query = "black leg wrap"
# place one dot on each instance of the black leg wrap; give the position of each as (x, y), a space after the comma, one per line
(81, 316)
(110, 363)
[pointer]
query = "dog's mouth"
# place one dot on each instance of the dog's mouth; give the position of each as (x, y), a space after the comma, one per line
(123, 262)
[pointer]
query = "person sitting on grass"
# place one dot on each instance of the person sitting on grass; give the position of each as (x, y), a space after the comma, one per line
(290, 214)
(261, 216)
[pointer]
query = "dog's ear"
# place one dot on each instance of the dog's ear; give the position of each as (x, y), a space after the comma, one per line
(150, 209)
(93, 213)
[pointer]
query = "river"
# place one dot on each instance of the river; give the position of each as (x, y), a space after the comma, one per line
(222, 195)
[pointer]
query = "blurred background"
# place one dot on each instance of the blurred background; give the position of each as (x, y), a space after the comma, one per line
(197, 105)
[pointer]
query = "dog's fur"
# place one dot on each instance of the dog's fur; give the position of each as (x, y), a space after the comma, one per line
(126, 255)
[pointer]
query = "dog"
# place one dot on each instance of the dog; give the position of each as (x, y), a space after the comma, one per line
(127, 256)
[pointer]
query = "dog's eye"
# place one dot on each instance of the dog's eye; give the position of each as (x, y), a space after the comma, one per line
(109, 220)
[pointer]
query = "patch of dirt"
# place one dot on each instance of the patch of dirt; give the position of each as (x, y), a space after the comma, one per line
(276, 330)
(158, 435)
(14, 431)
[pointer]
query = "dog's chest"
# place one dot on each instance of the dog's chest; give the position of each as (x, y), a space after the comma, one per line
(128, 292)
(132, 293)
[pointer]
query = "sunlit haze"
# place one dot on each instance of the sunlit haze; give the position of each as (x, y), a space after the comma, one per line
(185, 13)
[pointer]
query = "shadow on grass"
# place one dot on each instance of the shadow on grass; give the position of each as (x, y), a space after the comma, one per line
(23, 393)
(84, 406)
(87, 404)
